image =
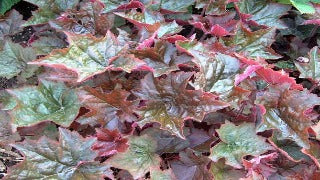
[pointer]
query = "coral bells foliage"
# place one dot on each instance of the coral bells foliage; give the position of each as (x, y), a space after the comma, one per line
(160, 89)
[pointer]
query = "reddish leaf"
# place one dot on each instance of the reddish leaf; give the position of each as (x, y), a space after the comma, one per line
(215, 25)
(104, 107)
(259, 167)
(87, 19)
(162, 58)
(169, 103)
(285, 111)
(190, 166)
(109, 142)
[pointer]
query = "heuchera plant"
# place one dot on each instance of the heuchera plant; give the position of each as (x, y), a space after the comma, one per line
(160, 89)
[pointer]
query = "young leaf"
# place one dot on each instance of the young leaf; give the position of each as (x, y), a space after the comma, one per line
(14, 59)
(48, 10)
(253, 44)
(259, 167)
(310, 69)
(236, 144)
(169, 102)
(139, 158)
(86, 55)
(264, 13)
(70, 158)
(48, 101)
(6, 5)
(104, 107)
(109, 142)
(162, 58)
(215, 25)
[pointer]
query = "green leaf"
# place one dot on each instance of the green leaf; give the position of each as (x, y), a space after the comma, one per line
(313, 152)
(158, 113)
(86, 55)
(48, 101)
(46, 43)
(288, 148)
(6, 5)
(236, 144)
(304, 6)
(110, 5)
(148, 19)
(70, 158)
(169, 101)
(253, 44)
(158, 174)
(310, 69)
(139, 157)
(127, 63)
(6, 134)
(48, 10)
(169, 5)
(285, 111)
(221, 171)
(14, 59)
(167, 29)
(263, 12)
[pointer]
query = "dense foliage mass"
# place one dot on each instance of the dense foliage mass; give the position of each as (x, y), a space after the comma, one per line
(159, 89)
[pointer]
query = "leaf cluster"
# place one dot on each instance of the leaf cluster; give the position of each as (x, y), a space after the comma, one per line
(160, 89)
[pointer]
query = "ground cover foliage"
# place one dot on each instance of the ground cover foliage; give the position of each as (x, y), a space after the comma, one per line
(159, 89)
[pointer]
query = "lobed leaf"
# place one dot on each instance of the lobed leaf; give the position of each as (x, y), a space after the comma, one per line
(285, 110)
(310, 69)
(48, 10)
(86, 55)
(14, 59)
(264, 13)
(235, 144)
(139, 158)
(70, 158)
(169, 102)
(48, 101)
(253, 44)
